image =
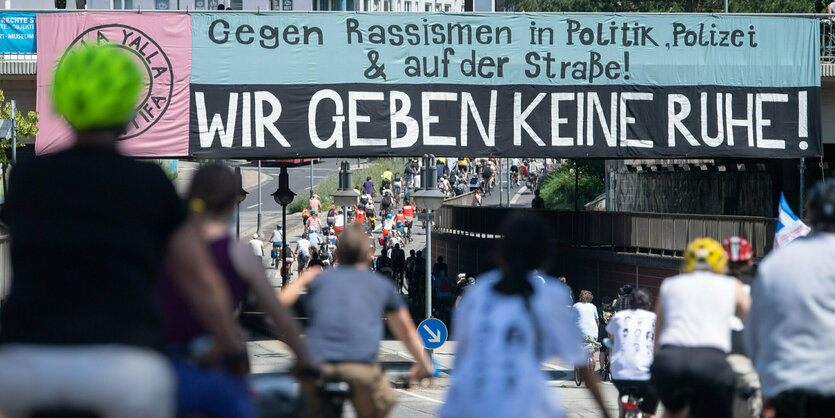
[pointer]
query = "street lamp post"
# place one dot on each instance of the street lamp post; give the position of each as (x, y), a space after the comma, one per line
(346, 195)
(283, 196)
(241, 196)
(258, 222)
(431, 199)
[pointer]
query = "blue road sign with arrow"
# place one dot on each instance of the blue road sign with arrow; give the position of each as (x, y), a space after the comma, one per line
(433, 332)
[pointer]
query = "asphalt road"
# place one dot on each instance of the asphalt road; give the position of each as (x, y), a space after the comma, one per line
(299, 181)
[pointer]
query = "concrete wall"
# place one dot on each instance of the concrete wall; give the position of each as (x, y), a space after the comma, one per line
(747, 193)
(600, 271)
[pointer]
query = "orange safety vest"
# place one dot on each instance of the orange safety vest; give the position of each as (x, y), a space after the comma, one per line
(400, 217)
(360, 216)
(408, 211)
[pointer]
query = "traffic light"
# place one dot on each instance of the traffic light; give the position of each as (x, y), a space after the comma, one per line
(60, 4)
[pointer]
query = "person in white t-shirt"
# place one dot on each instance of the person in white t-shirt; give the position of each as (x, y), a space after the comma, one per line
(276, 238)
(302, 254)
(633, 333)
(256, 245)
(506, 324)
(585, 316)
(690, 372)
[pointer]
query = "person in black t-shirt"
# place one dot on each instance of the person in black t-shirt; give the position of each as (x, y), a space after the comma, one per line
(86, 321)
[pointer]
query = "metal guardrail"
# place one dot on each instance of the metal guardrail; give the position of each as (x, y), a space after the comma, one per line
(827, 33)
(650, 232)
(465, 199)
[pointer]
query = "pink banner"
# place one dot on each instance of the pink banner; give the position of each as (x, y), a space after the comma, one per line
(161, 44)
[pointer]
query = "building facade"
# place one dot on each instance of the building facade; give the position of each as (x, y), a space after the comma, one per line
(437, 6)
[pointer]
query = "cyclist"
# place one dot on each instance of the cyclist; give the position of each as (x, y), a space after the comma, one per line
(487, 176)
(514, 170)
(388, 225)
(371, 216)
(359, 215)
(397, 187)
(585, 317)
(604, 314)
(349, 348)
(690, 369)
(386, 203)
(82, 330)
(506, 324)
(748, 401)
(204, 390)
(633, 333)
(386, 180)
(792, 319)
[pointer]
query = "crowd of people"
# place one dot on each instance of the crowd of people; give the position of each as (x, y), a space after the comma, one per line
(146, 327)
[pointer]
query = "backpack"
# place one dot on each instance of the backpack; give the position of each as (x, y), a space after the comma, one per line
(301, 256)
(305, 212)
(386, 202)
(274, 254)
(397, 177)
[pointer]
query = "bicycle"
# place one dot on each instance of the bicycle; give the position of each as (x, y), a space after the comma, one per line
(590, 345)
(630, 404)
(605, 369)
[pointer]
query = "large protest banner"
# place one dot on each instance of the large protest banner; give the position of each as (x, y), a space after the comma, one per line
(561, 85)
(279, 85)
(161, 45)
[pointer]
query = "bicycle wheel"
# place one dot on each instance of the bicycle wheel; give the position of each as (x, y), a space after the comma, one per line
(577, 378)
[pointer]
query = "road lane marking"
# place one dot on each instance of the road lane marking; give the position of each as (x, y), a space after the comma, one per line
(419, 396)
(518, 195)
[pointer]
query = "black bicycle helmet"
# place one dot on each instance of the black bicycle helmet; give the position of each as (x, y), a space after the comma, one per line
(822, 202)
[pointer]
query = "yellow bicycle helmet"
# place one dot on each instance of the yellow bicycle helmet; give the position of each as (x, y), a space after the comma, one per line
(97, 87)
(705, 254)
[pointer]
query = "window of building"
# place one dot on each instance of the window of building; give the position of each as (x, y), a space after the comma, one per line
(235, 4)
(162, 4)
(212, 4)
(447, 8)
(407, 6)
(122, 4)
(427, 7)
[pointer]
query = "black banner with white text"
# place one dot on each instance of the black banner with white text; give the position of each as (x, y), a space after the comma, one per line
(606, 121)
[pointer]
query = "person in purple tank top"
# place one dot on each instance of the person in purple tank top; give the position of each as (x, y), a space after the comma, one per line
(202, 388)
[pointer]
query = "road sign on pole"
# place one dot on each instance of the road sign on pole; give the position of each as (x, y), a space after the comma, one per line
(433, 332)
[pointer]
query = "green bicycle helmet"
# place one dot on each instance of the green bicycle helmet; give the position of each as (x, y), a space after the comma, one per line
(97, 87)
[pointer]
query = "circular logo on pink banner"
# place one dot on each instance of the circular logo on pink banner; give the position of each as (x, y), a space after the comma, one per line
(159, 80)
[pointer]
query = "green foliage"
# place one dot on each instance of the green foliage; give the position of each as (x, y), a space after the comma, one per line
(557, 187)
(25, 126)
(328, 186)
(667, 6)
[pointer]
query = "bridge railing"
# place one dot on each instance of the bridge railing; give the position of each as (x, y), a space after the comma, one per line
(650, 232)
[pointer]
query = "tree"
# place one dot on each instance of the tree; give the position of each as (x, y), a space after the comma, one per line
(557, 188)
(25, 126)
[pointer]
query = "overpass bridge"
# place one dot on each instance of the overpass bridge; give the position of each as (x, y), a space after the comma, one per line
(597, 251)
